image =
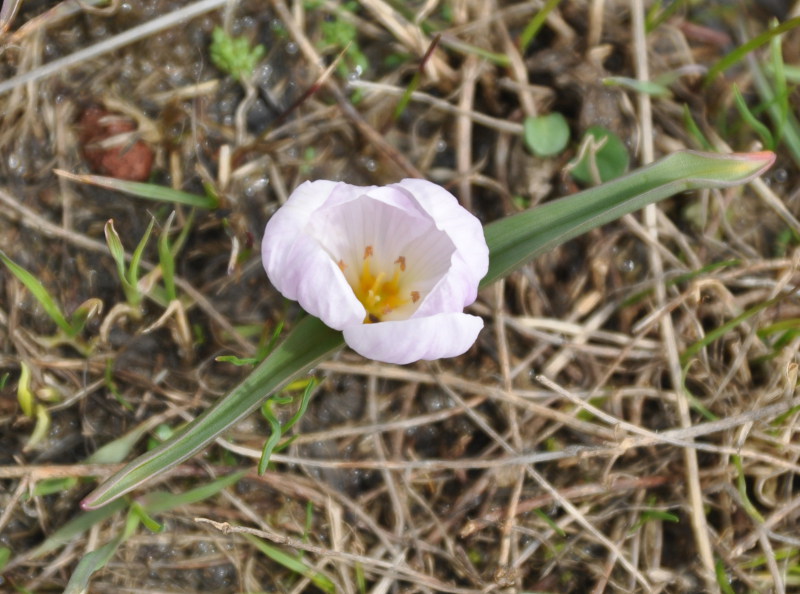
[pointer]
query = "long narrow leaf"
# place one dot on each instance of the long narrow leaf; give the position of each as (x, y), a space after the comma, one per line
(42, 296)
(512, 242)
(517, 239)
(143, 190)
(97, 559)
(310, 342)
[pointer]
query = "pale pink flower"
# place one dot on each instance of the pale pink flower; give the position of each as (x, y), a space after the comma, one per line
(392, 267)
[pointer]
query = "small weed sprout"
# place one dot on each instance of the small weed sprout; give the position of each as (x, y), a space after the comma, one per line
(234, 55)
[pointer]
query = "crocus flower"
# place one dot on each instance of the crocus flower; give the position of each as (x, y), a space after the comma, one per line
(392, 267)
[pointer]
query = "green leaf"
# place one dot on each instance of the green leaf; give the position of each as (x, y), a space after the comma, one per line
(167, 260)
(517, 239)
(143, 190)
(53, 485)
(40, 293)
(97, 559)
(649, 87)
(144, 518)
(24, 395)
(744, 49)
(602, 153)
(133, 270)
(42, 427)
(76, 527)
(310, 342)
(116, 451)
(546, 135)
(291, 563)
(160, 501)
(532, 28)
(747, 115)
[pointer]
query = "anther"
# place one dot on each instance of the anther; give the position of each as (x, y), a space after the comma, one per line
(414, 296)
(341, 265)
(367, 252)
(402, 261)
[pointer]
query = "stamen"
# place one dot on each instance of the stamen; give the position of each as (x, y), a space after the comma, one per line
(341, 265)
(380, 291)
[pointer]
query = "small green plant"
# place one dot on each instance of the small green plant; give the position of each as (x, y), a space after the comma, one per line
(601, 158)
(234, 55)
(546, 135)
(275, 425)
(32, 408)
(128, 276)
(69, 328)
(342, 34)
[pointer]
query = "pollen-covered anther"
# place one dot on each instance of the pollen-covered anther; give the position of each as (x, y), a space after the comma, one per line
(341, 265)
(414, 296)
(402, 262)
(368, 252)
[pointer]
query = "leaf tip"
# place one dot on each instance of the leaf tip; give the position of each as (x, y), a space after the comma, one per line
(89, 504)
(762, 160)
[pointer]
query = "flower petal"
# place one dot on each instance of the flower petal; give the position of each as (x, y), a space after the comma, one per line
(298, 266)
(470, 261)
(464, 229)
(406, 341)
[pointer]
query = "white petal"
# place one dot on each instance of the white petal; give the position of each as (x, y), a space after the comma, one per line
(464, 230)
(406, 341)
(297, 265)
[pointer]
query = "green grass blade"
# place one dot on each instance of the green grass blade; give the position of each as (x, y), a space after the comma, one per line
(272, 440)
(143, 190)
(310, 342)
(160, 502)
(97, 559)
(725, 328)
(785, 121)
(781, 90)
(291, 563)
(76, 527)
(114, 244)
(752, 121)
(532, 28)
(740, 52)
(40, 293)
(132, 275)
(694, 130)
(517, 239)
(167, 260)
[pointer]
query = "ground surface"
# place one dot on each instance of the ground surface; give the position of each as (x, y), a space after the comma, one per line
(393, 484)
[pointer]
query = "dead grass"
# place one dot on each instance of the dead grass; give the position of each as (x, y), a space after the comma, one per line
(571, 450)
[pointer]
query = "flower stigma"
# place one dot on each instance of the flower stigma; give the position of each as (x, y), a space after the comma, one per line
(379, 292)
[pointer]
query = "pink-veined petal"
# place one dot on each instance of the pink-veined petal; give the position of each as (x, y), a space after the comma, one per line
(298, 266)
(406, 341)
(464, 229)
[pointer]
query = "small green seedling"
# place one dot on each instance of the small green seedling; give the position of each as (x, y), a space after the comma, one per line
(602, 157)
(342, 34)
(70, 328)
(129, 277)
(32, 408)
(234, 55)
(546, 135)
(277, 430)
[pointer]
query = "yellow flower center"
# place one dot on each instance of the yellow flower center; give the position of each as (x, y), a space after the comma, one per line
(379, 292)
